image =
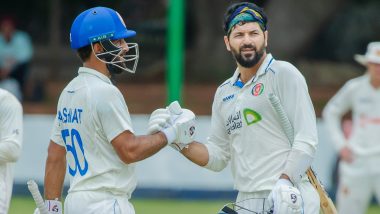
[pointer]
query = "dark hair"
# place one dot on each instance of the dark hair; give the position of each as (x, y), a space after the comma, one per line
(231, 9)
(84, 53)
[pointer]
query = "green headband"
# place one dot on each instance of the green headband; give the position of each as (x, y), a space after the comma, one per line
(245, 14)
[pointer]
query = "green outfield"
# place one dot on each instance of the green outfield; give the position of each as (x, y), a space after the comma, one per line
(25, 205)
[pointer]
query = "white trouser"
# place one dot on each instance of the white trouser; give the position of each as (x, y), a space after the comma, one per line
(358, 182)
(309, 195)
(91, 202)
(6, 184)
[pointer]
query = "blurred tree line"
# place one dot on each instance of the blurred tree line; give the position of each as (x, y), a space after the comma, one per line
(299, 31)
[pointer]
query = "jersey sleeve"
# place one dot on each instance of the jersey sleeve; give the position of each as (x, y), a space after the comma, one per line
(333, 112)
(113, 114)
(55, 134)
(11, 130)
(217, 143)
(294, 96)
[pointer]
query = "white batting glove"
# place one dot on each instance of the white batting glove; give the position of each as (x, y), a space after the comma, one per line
(159, 120)
(285, 199)
(184, 126)
(53, 207)
(176, 123)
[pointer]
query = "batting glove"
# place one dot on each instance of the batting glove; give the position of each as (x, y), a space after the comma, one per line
(159, 120)
(176, 123)
(285, 198)
(53, 207)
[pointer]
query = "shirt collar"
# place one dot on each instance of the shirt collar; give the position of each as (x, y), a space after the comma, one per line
(235, 80)
(85, 70)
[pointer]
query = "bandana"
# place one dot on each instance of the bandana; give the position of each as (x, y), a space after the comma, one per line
(245, 14)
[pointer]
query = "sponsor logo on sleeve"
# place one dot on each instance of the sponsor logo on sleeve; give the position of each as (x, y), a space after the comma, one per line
(229, 97)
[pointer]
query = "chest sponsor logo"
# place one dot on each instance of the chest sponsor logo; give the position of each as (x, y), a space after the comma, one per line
(251, 116)
(257, 89)
(229, 97)
(234, 122)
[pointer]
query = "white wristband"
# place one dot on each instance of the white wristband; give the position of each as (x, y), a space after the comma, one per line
(170, 134)
(297, 164)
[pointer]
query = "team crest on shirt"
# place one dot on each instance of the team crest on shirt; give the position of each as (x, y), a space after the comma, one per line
(257, 89)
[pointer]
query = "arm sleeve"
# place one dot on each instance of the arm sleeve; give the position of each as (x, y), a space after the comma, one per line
(11, 130)
(56, 135)
(332, 114)
(294, 96)
(217, 144)
(113, 114)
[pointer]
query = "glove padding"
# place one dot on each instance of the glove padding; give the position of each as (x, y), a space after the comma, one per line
(285, 199)
(53, 207)
(176, 123)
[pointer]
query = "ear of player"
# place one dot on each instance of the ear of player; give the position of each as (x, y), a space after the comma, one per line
(176, 123)
(52, 206)
(285, 198)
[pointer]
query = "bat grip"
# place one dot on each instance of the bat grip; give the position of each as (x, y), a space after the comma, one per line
(33, 188)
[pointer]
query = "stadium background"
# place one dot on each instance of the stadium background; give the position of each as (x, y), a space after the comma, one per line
(320, 37)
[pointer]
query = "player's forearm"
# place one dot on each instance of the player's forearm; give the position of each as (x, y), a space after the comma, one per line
(55, 171)
(132, 148)
(54, 178)
(197, 153)
(296, 165)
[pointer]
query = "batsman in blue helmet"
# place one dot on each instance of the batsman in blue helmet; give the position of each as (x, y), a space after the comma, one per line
(92, 139)
(104, 29)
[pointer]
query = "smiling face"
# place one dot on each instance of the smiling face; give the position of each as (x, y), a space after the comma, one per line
(247, 43)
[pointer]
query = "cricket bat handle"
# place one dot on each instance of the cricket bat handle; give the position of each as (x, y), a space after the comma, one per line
(327, 205)
(33, 188)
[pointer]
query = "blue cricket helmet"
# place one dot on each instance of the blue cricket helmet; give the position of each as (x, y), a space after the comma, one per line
(96, 24)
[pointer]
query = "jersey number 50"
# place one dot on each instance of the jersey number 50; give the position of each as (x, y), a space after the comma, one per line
(72, 147)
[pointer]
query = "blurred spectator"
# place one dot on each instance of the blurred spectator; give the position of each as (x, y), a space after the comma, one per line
(360, 153)
(15, 53)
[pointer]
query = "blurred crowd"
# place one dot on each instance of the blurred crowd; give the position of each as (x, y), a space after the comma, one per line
(16, 51)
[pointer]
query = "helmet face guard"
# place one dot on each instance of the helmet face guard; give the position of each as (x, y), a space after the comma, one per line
(117, 58)
(239, 208)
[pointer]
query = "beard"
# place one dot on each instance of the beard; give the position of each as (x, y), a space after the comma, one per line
(248, 60)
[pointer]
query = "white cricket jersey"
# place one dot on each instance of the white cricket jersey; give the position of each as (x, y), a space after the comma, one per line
(91, 112)
(363, 100)
(10, 144)
(246, 130)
